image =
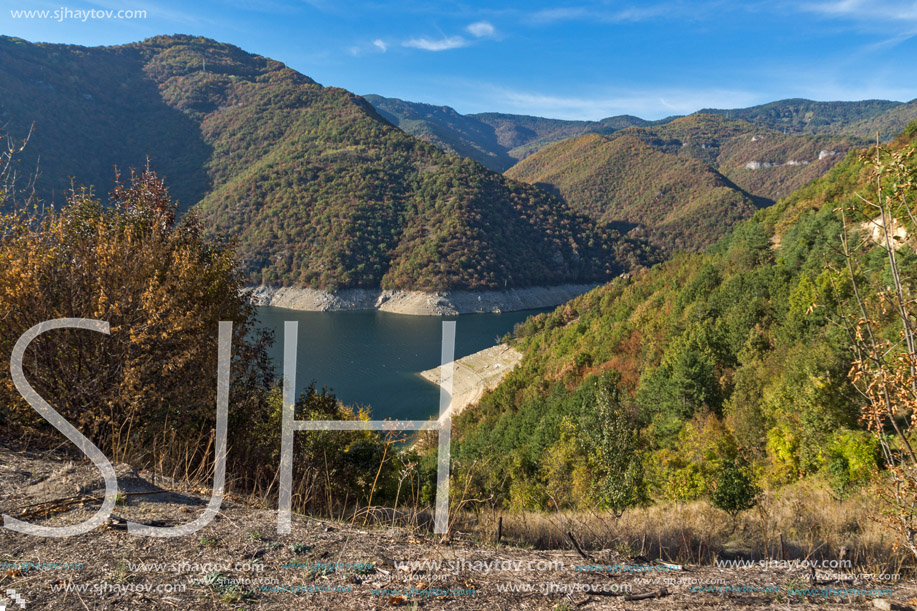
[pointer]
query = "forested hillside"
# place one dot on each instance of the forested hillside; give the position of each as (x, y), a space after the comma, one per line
(500, 140)
(739, 355)
(315, 188)
(679, 202)
(497, 140)
(685, 183)
(90, 109)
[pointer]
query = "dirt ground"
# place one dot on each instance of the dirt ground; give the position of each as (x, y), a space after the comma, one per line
(240, 562)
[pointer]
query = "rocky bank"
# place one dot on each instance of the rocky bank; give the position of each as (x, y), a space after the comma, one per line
(446, 303)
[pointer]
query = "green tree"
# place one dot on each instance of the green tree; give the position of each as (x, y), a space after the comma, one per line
(612, 444)
(734, 491)
(685, 382)
(883, 330)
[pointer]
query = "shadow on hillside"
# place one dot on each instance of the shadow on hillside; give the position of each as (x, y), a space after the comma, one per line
(93, 109)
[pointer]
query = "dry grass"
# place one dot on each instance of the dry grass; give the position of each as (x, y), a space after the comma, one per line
(803, 521)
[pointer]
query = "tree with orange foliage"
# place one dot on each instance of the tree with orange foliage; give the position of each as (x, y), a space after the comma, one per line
(882, 330)
(162, 288)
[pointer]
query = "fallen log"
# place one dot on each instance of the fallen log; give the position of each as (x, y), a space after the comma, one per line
(648, 595)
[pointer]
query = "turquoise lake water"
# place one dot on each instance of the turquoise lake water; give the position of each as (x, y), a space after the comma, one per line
(371, 358)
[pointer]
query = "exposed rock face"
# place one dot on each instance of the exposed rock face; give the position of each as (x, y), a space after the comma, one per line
(416, 302)
(875, 229)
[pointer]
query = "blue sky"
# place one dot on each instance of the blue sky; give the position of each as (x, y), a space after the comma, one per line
(572, 60)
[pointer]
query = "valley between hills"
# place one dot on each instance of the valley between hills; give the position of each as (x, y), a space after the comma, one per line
(729, 376)
(319, 191)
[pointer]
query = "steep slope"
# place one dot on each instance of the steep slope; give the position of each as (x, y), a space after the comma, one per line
(736, 352)
(523, 135)
(686, 182)
(680, 202)
(495, 140)
(92, 109)
(445, 128)
(313, 185)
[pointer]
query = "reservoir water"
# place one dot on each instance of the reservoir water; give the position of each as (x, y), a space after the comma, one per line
(371, 358)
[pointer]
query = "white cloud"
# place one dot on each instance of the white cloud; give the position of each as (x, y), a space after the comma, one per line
(559, 14)
(376, 46)
(893, 21)
(481, 29)
(858, 9)
(478, 29)
(444, 44)
(626, 15)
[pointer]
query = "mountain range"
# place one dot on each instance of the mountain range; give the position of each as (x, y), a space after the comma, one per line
(681, 182)
(313, 185)
(321, 188)
(865, 119)
(495, 140)
(499, 140)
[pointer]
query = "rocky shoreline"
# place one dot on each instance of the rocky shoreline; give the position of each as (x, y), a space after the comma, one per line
(447, 303)
(476, 373)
